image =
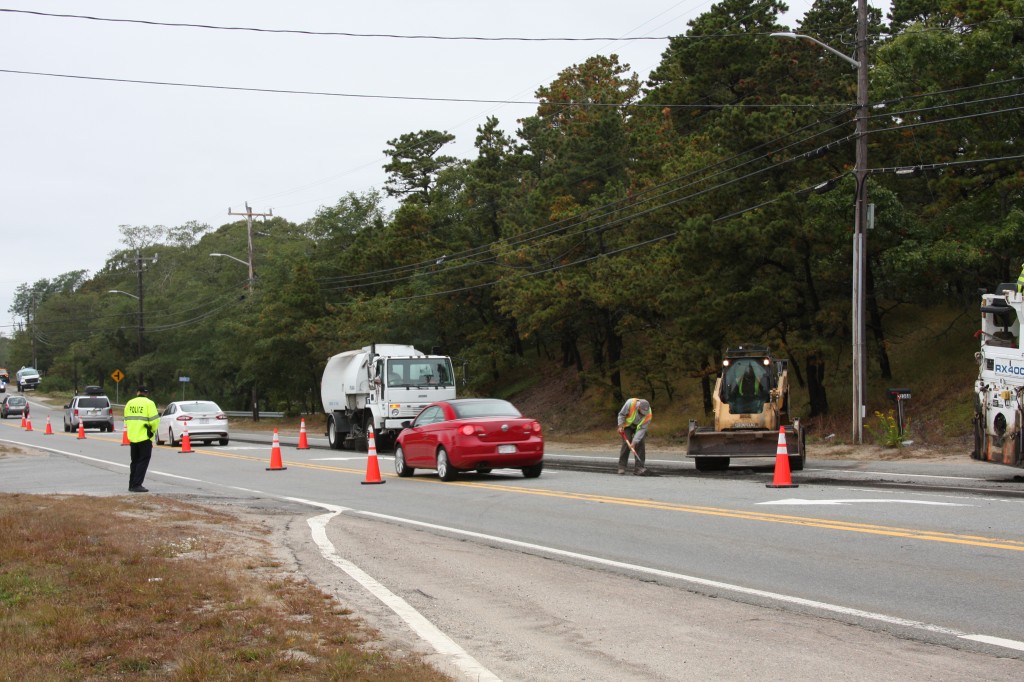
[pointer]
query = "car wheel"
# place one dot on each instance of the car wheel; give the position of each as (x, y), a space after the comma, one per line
(484, 471)
(159, 440)
(533, 471)
(170, 438)
(401, 468)
(223, 441)
(445, 470)
(67, 427)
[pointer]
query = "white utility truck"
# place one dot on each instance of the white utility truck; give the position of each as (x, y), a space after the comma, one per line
(382, 386)
(999, 389)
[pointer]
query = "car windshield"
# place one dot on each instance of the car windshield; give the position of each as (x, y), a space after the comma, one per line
(200, 406)
(93, 402)
(484, 408)
(29, 373)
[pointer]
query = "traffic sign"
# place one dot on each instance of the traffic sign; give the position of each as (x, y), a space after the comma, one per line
(117, 376)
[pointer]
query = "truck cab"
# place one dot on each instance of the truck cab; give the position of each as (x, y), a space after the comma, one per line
(380, 387)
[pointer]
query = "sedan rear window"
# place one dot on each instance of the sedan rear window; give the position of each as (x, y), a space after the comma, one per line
(202, 406)
(484, 408)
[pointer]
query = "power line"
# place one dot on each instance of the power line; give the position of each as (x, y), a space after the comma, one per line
(411, 98)
(341, 34)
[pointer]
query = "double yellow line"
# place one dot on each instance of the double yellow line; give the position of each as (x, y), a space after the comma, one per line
(807, 522)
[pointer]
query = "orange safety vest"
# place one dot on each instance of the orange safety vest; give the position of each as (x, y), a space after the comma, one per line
(634, 410)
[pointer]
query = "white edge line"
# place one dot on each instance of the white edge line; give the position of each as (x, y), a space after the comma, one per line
(446, 646)
(426, 630)
(430, 633)
(775, 596)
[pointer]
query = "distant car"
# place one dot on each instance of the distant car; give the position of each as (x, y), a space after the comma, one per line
(468, 434)
(28, 378)
(93, 410)
(13, 405)
(204, 419)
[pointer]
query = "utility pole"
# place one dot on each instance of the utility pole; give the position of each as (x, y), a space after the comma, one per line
(249, 215)
(860, 244)
(248, 221)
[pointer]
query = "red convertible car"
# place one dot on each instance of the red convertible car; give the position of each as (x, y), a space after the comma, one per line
(468, 434)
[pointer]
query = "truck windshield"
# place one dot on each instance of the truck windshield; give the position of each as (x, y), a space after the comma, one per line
(420, 372)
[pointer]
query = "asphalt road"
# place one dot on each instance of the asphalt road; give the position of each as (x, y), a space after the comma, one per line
(867, 570)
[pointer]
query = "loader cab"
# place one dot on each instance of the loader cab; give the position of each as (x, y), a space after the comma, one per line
(748, 377)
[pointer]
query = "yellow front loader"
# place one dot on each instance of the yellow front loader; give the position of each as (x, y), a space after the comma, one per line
(751, 403)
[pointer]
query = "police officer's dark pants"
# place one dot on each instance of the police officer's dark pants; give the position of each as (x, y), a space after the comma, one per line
(624, 450)
(141, 453)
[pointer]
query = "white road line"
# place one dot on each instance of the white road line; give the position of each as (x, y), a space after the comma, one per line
(851, 472)
(795, 501)
(430, 633)
(444, 645)
(774, 596)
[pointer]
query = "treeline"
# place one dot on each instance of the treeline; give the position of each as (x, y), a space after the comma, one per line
(631, 225)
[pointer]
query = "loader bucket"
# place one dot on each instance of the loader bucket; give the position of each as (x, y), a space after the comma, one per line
(740, 443)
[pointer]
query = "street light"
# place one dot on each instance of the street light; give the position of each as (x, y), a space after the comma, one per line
(860, 254)
(238, 260)
(125, 293)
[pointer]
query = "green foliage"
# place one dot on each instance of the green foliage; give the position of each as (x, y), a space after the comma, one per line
(886, 430)
(626, 232)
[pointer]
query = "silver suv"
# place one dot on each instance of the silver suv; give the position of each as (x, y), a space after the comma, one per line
(93, 410)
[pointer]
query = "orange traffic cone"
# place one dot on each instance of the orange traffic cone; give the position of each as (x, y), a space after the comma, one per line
(186, 442)
(124, 435)
(782, 478)
(22, 420)
(28, 423)
(49, 428)
(303, 443)
(275, 455)
(81, 430)
(372, 468)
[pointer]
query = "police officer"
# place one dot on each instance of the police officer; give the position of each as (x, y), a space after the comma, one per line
(141, 420)
(634, 417)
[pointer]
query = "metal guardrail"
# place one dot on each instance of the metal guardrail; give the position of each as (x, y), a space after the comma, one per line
(248, 413)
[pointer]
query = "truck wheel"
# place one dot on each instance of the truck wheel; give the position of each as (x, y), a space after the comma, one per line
(797, 461)
(332, 434)
(711, 463)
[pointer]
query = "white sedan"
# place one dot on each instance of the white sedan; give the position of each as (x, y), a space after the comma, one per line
(204, 420)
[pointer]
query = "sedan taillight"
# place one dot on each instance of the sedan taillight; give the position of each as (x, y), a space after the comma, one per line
(467, 430)
(184, 418)
(222, 416)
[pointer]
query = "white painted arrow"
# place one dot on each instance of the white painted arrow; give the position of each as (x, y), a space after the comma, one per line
(798, 501)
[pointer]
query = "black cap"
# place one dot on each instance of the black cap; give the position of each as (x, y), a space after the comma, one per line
(142, 389)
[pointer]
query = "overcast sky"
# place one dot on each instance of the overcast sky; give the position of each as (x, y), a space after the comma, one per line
(81, 157)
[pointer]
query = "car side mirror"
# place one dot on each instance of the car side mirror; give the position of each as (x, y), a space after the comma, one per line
(68, 406)
(406, 425)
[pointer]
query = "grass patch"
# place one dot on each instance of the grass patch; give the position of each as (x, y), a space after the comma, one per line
(116, 588)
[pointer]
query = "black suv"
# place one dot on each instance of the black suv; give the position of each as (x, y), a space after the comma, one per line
(93, 410)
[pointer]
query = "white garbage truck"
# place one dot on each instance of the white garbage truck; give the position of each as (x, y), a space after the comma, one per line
(999, 388)
(382, 386)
